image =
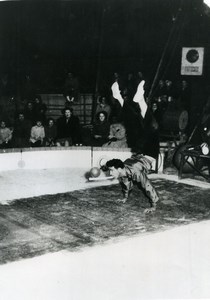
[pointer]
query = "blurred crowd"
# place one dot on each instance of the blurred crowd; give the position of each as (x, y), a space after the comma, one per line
(113, 124)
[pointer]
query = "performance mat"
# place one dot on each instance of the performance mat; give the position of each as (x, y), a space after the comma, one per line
(34, 226)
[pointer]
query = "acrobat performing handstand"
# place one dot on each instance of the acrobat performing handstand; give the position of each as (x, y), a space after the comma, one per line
(135, 169)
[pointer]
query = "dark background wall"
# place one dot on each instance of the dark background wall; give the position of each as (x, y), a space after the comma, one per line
(96, 38)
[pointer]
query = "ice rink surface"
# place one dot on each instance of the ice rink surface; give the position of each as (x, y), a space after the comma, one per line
(174, 264)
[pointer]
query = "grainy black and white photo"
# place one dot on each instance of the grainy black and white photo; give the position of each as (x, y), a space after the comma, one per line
(104, 149)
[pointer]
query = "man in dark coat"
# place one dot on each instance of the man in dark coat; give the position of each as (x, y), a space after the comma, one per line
(68, 129)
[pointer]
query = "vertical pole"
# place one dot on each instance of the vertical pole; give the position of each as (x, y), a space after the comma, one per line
(98, 74)
(91, 148)
(91, 155)
(100, 48)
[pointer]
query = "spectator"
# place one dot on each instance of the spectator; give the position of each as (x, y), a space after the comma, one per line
(50, 133)
(156, 112)
(161, 89)
(184, 95)
(29, 112)
(5, 135)
(103, 106)
(37, 134)
(21, 133)
(101, 130)
(161, 95)
(170, 90)
(117, 136)
(71, 88)
(68, 127)
(40, 109)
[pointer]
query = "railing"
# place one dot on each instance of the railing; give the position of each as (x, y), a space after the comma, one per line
(82, 108)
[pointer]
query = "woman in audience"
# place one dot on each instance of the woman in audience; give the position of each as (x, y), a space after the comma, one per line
(5, 136)
(103, 106)
(37, 134)
(101, 129)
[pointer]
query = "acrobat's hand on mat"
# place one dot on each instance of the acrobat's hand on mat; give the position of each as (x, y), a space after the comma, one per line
(121, 200)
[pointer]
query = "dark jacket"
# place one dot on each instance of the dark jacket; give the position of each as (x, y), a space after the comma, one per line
(70, 128)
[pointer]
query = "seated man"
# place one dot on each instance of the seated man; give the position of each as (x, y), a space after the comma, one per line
(68, 129)
(133, 170)
(50, 133)
(21, 133)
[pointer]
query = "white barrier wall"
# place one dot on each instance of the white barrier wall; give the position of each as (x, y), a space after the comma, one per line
(61, 157)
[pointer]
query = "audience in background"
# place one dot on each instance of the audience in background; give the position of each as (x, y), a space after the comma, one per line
(120, 106)
(5, 135)
(37, 134)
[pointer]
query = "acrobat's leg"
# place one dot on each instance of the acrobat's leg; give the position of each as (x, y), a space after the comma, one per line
(150, 191)
(139, 98)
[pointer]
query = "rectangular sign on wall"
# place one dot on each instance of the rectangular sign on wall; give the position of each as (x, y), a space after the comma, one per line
(192, 61)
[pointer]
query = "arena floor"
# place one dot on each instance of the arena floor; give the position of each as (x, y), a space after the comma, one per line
(160, 256)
